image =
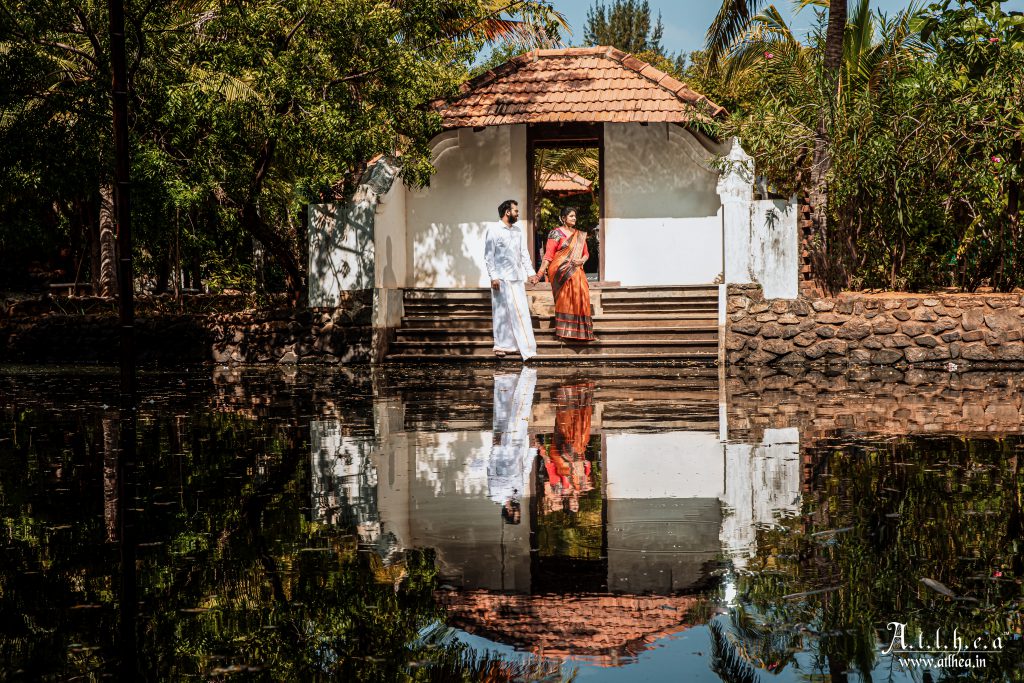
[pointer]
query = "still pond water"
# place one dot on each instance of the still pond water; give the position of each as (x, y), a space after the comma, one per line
(502, 524)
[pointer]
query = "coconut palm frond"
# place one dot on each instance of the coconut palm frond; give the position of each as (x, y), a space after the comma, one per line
(728, 27)
(231, 88)
(579, 160)
(769, 37)
(726, 661)
(519, 24)
(874, 48)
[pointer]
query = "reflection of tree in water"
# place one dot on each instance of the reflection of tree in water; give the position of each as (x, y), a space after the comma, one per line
(879, 519)
(235, 576)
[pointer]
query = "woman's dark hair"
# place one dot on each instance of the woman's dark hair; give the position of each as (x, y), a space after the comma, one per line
(505, 207)
(564, 213)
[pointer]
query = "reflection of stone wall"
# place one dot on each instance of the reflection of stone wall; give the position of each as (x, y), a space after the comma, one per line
(874, 329)
(279, 335)
(880, 401)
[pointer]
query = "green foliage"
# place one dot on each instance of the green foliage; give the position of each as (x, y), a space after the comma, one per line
(242, 113)
(923, 135)
(626, 24)
(881, 518)
(234, 574)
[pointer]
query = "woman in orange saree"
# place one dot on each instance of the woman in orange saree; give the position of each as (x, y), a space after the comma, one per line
(564, 257)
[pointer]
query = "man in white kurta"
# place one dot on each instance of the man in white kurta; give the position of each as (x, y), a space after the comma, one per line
(509, 268)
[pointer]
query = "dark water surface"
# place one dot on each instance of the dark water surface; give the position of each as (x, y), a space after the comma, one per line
(446, 524)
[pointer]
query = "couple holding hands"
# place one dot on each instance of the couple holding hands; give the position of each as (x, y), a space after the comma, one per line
(510, 267)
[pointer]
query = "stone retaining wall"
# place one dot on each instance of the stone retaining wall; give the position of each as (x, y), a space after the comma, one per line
(888, 329)
(274, 335)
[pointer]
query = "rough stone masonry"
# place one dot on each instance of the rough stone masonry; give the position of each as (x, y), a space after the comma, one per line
(877, 329)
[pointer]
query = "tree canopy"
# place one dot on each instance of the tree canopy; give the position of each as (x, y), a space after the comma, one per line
(242, 113)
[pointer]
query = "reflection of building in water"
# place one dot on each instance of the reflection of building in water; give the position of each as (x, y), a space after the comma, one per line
(344, 484)
(762, 484)
(607, 628)
(667, 498)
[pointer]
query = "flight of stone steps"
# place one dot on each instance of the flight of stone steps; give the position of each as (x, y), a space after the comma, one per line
(677, 323)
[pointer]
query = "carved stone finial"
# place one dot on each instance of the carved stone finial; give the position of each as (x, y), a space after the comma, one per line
(737, 177)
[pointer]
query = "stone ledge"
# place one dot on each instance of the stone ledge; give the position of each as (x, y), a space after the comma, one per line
(927, 330)
(277, 335)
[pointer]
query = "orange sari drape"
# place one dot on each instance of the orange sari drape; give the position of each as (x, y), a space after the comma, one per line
(571, 291)
(565, 460)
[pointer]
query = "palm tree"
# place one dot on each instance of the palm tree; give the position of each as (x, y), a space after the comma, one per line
(875, 48)
(732, 21)
(735, 17)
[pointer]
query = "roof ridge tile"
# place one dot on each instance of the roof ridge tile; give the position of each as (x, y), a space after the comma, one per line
(600, 83)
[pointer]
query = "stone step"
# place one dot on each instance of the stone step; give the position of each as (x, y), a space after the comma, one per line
(618, 308)
(701, 347)
(633, 381)
(660, 334)
(660, 307)
(697, 358)
(470, 294)
(608, 294)
(632, 320)
(649, 293)
(436, 310)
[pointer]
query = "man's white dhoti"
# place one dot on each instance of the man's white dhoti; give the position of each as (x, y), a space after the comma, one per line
(512, 325)
(508, 261)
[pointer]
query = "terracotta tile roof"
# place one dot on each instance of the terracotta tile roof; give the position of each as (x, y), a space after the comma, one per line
(580, 84)
(567, 183)
(606, 629)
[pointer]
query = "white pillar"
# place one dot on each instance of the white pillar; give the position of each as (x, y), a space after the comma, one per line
(736, 189)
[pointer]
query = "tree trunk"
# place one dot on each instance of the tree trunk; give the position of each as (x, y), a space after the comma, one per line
(93, 231)
(107, 276)
(830, 260)
(163, 271)
(834, 36)
(277, 247)
(111, 516)
(1013, 222)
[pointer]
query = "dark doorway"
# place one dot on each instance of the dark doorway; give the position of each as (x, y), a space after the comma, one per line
(566, 164)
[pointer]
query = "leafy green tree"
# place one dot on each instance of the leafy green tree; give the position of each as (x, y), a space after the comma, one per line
(921, 135)
(242, 114)
(729, 26)
(980, 50)
(626, 24)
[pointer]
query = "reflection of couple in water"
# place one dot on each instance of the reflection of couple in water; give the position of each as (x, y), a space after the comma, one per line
(566, 471)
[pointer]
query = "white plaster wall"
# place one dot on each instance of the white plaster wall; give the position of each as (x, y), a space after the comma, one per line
(341, 251)
(663, 223)
(775, 247)
(666, 465)
(476, 171)
(391, 264)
